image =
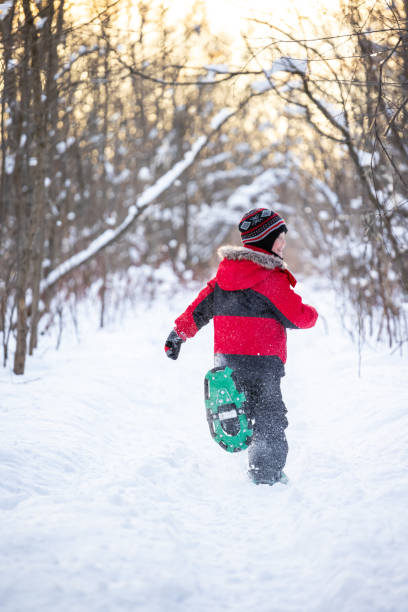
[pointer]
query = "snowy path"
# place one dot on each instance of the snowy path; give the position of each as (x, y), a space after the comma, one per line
(113, 496)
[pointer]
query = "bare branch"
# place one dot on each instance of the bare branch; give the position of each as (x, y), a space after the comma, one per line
(395, 115)
(144, 201)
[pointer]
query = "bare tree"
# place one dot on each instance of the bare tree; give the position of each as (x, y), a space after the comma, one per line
(355, 191)
(87, 145)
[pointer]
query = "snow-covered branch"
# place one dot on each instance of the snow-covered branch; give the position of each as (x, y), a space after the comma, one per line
(110, 236)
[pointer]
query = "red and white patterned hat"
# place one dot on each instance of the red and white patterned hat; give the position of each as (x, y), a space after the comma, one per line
(260, 227)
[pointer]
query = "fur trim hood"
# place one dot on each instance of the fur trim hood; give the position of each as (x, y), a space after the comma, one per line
(237, 270)
(243, 253)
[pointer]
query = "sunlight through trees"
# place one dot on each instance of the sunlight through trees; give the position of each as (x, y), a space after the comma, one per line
(134, 134)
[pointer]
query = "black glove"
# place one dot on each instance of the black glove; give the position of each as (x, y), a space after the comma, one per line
(173, 344)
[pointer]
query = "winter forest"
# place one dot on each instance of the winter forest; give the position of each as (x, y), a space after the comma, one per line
(134, 136)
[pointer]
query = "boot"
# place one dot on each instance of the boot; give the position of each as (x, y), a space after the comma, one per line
(257, 478)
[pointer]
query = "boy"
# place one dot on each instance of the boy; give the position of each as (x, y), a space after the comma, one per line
(252, 302)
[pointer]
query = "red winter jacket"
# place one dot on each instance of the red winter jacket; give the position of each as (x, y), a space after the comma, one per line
(252, 302)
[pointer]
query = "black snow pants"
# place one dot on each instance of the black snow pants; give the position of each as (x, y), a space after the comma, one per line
(260, 379)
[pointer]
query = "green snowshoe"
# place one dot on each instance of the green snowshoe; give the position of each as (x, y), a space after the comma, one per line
(229, 424)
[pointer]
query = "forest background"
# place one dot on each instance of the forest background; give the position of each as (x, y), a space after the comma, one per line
(134, 134)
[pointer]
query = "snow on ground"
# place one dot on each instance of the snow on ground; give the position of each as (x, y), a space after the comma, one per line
(114, 497)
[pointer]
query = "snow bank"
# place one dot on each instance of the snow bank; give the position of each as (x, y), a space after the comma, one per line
(114, 497)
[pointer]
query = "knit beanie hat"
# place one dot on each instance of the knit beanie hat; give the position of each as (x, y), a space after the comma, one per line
(260, 228)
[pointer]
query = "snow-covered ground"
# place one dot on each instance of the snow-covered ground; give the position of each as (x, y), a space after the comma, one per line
(114, 497)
